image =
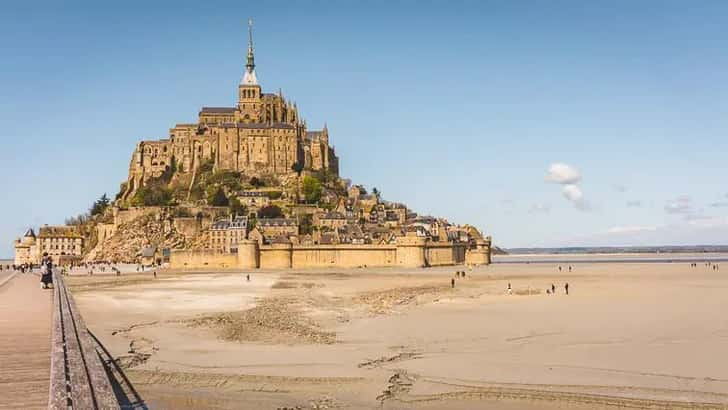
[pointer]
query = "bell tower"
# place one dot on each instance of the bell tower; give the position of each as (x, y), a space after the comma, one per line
(249, 92)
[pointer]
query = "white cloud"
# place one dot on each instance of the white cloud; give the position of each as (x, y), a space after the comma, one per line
(634, 204)
(572, 192)
(680, 205)
(575, 196)
(568, 177)
(561, 173)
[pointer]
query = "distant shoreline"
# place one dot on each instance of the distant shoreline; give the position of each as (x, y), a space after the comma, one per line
(619, 250)
(687, 257)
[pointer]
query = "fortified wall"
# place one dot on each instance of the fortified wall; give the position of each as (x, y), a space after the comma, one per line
(408, 252)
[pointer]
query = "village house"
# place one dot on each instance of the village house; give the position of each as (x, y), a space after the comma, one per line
(60, 241)
(273, 227)
(331, 220)
(225, 234)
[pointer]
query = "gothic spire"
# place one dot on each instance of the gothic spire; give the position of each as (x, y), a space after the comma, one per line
(249, 78)
(251, 58)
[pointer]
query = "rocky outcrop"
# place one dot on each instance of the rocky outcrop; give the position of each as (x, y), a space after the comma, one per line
(157, 229)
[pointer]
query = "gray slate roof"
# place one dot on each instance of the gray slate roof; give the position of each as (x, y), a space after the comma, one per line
(218, 110)
(277, 222)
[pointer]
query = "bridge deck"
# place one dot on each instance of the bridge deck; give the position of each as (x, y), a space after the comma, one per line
(25, 343)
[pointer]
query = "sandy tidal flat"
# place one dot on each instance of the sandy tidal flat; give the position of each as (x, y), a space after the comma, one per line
(631, 335)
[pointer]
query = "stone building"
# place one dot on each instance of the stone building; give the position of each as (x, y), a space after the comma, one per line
(26, 249)
(332, 220)
(60, 241)
(262, 134)
(271, 228)
(227, 233)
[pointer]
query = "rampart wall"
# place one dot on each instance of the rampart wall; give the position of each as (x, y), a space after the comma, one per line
(408, 252)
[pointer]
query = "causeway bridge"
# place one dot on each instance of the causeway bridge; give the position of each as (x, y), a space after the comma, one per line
(48, 358)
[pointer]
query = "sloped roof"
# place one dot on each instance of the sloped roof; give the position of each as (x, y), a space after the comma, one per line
(59, 232)
(217, 110)
(221, 224)
(277, 222)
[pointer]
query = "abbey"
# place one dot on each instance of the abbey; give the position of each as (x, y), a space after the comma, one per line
(262, 135)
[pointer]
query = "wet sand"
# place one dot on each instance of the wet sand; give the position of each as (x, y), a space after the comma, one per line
(641, 335)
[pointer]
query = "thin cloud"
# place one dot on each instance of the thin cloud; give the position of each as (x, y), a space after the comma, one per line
(634, 204)
(574, 194)
(680, 206)
(721, 204)
(709, 222)
(539, 209)
(620, 188)
(630, 229)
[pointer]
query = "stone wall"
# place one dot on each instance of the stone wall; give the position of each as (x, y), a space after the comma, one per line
(202, 259)
(344, 256)
(276, 256)
(409, 252)
(122, 216)
(444, 254)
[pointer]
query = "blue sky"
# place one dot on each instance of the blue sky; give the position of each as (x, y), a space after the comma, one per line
(458, 109)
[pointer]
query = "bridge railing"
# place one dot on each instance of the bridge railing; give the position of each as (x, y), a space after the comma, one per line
(78, 377)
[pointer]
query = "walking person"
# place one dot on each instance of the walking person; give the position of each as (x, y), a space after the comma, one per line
(566, 288)
(46, 277)
(553, 289)
(510, 290)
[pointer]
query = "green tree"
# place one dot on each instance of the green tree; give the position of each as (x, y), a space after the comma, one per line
(219, 198)
(312, 189)
(270, 211)
(100, 205)
(297, 167)
(256, 182)
(237, 208)
(152, 194)
(305, 226)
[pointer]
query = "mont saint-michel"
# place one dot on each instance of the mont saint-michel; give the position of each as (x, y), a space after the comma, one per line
(250, 186)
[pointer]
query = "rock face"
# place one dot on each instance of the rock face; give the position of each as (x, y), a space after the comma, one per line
(155, 230)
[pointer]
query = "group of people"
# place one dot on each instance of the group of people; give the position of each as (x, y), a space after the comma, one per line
(458, 274)
(711, 265)
(549, 291)
(560, 268)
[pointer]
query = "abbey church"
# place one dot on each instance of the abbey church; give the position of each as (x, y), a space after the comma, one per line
(262, 135)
